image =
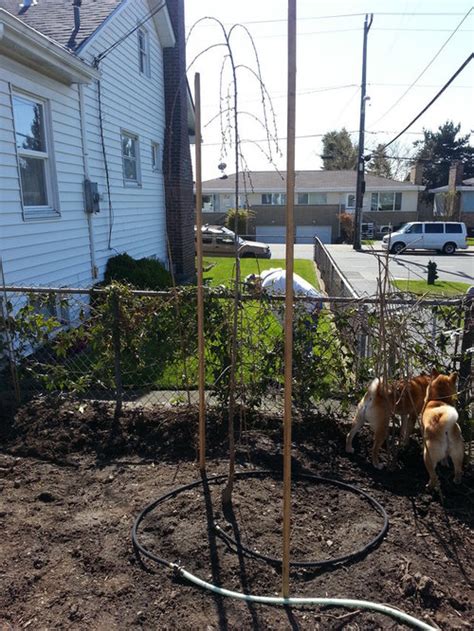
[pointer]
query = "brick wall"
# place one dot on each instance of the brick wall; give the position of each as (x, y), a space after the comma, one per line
(177, 165)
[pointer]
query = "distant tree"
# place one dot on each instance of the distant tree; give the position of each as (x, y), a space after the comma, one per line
(339, 152)
(399, 165)
(380, 164)
(439, 149)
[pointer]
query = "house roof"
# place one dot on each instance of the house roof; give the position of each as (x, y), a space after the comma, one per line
(55, 18)
(305, 181)
(466, 185)
(20, 42)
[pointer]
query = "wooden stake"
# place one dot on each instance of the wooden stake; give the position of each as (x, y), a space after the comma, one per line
(200, 289)
(290, 199)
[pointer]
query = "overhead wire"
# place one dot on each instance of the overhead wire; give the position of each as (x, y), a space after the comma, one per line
(424, 69)
(435, 98)
(98, 58)
(351, 15)
(380, 28)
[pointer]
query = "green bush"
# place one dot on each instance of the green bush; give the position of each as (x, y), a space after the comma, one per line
(237, 219)
(141, 273)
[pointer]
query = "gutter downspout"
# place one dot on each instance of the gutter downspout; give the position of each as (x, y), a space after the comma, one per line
(85, 156)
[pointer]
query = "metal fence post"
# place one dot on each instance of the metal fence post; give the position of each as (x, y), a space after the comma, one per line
(465, 365)
(10, 348)
(117, 360)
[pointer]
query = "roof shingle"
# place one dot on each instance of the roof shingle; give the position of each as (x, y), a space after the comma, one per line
(55, 18)
(305, 181)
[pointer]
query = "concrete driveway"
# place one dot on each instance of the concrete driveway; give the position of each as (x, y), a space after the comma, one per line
(361, 268)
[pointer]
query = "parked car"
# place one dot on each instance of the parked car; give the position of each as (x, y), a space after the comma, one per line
(444, 236)
(220, 241)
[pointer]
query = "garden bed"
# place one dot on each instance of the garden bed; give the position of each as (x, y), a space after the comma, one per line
(70, 495)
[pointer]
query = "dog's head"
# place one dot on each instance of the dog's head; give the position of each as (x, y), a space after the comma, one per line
(442, 387)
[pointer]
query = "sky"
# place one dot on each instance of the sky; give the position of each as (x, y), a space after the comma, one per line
(405, 37)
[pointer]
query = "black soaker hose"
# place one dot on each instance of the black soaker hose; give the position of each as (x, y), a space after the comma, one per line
(139, 548)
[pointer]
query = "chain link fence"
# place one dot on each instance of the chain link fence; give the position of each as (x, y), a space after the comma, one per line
(139, 348)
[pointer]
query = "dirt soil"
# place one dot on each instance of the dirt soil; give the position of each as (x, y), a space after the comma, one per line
(70, 493)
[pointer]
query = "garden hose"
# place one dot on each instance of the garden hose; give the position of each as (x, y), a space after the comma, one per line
(270, 600)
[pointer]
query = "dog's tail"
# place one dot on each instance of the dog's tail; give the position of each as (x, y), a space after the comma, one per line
(373, 388)
(445, 417)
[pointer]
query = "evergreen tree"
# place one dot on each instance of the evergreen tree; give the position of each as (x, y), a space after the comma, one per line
(439, 149)
(339, 152)
(379, 163)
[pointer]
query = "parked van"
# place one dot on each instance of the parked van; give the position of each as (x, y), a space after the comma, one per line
(220, 241)
(444, 236)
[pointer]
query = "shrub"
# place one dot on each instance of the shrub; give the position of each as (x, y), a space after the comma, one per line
(142, 273)
(237, 219)
(347, 227)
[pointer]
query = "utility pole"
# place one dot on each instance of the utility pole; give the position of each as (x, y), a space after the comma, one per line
(360, 186)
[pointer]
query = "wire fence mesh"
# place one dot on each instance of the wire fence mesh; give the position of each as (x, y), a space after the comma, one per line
(139, 348)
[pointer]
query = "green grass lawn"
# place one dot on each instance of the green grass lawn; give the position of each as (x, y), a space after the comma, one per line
(220, 270)
(440, 288)
(470, 241)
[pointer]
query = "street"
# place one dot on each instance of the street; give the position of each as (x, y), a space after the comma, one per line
(361, 268)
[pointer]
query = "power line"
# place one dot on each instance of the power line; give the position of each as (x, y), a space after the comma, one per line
(98, 58)
(424, 69)
(458, 71)
(349, 30)
(307, 136)
(350, 15)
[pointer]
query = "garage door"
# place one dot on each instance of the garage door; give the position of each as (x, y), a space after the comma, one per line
(271, 234)
(306, 234)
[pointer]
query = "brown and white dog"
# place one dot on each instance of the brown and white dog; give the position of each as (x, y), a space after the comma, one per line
(441, 433)
(403, 397)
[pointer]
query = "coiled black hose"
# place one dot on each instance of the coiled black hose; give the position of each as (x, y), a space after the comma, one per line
(140, 549)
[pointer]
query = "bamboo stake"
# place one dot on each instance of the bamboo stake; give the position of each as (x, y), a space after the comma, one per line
(290, 195)
(200, 289)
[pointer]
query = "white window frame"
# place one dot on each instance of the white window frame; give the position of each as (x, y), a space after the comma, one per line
(129, 181)
(51, 209)
(310, 199)
(379, 193)
(143, 52)
(156, 166)
(352, 206)
(276, 199)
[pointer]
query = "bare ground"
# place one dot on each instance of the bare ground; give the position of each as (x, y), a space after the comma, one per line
(70, 494)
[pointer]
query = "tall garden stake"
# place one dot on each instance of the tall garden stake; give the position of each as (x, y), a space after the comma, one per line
(200, 289)
(290, 200)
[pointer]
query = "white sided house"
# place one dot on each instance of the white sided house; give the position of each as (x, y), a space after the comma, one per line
(320, 199)
(83, 121)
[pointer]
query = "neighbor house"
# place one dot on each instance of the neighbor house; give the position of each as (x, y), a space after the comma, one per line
(95, 123)
(456, 199)
(320, 199)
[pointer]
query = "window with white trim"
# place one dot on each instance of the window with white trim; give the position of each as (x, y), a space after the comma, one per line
(274, 199)
(143, 52)
(34, 156)
(155, 157)
(130, 158)
(351, 200)
(312, 199)
(386, 201)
